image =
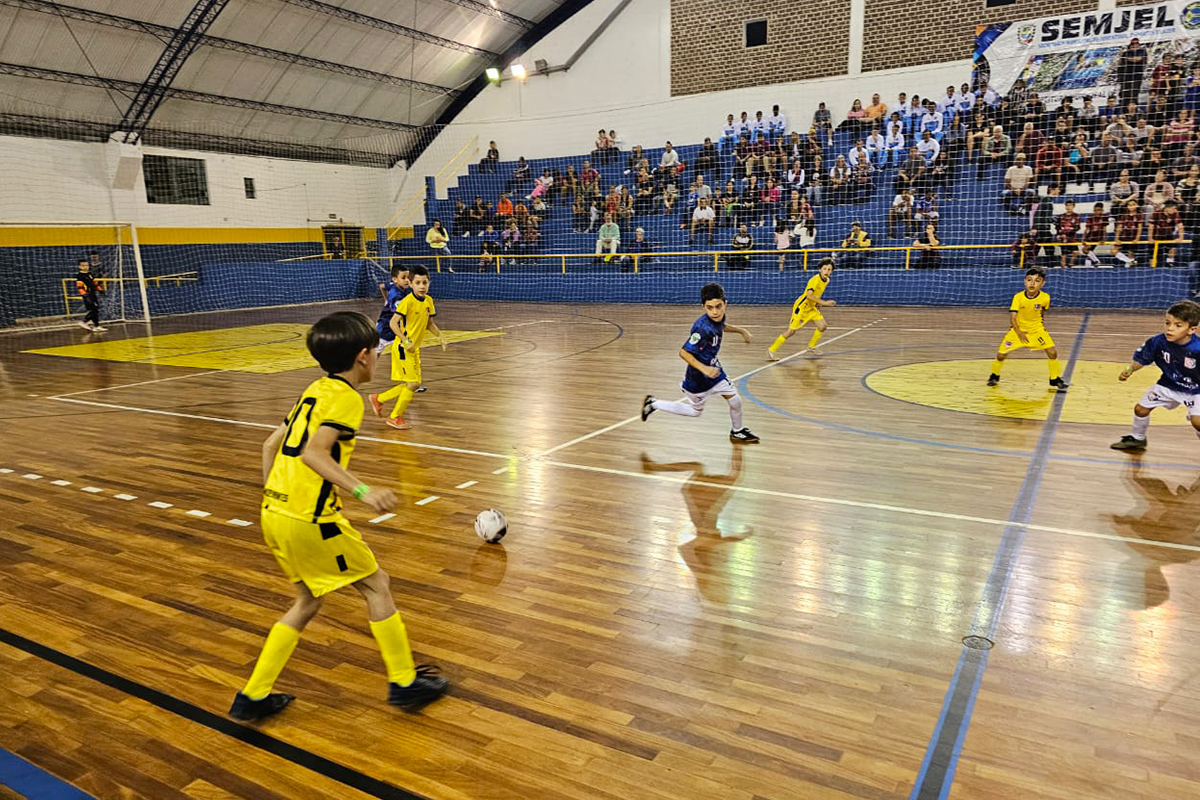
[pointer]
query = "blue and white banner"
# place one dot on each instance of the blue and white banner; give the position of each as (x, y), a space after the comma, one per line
(1077, 54)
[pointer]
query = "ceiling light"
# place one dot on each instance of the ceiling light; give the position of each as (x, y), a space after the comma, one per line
(493, 74)
(518, 71)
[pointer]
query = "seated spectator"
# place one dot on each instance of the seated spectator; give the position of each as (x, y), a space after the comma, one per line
(741, 242)
(1178, 133)
(460, 223)
(925, 210)
(489, 246)
(1103, 162)
(901, 110)
(1063, 134)
(1065, 118)
(794, 178)
(1124, 189)
(589, 180)
(595, 214)
(541, 185)
(1034, 113)
(568, 184)
(893, 145)
(730, 206)
(876, 148)
(758, 127)
(1166, 225)
(839, 181)
(742, 164)
(876, 113)
(579, 216)
(603, 148)
(1088, 117)
(978, 133)
(1048, 166)
(759, 161)
(1042, 224)
(812, 149)
(1151, 163)
(1130, 155)
(708, 160)
(822, 123)
(994, 151)
(520, 177)
(667, 165)
(1018, 186)
(1159, 193)
(929, 148)
(488, 164)
(609, 237)
(437, 238)
(531, 237)
(1191, 91)
(511, 241)
(927, 244)
(988, 96)
(730, 135)
(1095, 232)
(858, 153)
(797, 208)
(1030, 141)
(901, 211)
(636, 255)
(912, 125)
(643, 200)
(476, 216)
(1182, 166)
(947, 106)
(634, 160)
(964, 105)
(862, 180)
(521, 214)
(703, 218)
(614, 147)
(749, 201)
(625, 207)
(1024, 250)
(1068, 224)
(933, 122)
(1128, 233)
(504, 206)
(856, 242)
(776, 124)
(668, 198)
(856, 119)
(783, 241)
(703, 189)
(911, 175)
(1144, 132)
(1108, 112)
(818, 179)
(1079, 160)
(804, 235)
(769, 203)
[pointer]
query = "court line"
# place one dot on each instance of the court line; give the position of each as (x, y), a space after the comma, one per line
(636, 417)
(246, 734)
(936, 775)
(840, 501)
(139, 383)
(34, 783)
(268, 425)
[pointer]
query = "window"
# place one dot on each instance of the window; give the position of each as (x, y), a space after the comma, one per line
(249, 184)
(756, 33)
(175, 181)
(997, 3)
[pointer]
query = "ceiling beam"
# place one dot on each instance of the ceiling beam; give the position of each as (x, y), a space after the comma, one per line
(163, 32)
(130, 88)
(391, 27)
(153, 90)
(491, 11)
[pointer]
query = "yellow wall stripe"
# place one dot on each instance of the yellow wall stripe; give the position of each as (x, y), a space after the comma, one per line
(86, 236)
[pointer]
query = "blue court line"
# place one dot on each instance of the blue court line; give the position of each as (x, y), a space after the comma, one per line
(936, 775)
(33, 783)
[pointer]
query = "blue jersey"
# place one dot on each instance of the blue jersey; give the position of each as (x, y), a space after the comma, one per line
(704, 344)
(394, 295)
(1180, 363)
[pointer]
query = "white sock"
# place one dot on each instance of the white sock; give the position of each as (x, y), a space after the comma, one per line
(735, 411)
(680, 407)
(1140, 426)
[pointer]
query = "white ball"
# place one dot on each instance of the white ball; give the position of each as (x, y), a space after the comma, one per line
(491, 525)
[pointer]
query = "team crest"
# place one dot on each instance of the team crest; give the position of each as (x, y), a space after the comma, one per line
(695, 337)
(1189, 363)
(1190, 16)
(1025, 33)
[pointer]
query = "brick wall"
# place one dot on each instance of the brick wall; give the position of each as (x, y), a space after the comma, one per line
(906, 33)
(804, 40)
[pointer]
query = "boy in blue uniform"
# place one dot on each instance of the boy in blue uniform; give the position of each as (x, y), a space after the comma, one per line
(1175, 351)
(704, 376)
(392, 293)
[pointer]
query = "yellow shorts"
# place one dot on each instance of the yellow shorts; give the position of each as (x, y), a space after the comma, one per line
(324, 556)
(406, 364)
(1038, 340)
(802, 318)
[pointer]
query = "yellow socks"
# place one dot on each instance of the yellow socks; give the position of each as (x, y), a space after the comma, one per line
(816, 337)
(390, 393)
(996, 365)
(1055, 368)
(403, 392)
(778, 343)
(393, 646)
(278, 648)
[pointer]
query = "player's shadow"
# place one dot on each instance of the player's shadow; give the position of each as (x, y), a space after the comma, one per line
(489, 564)
(709, 555)
(1171, 517)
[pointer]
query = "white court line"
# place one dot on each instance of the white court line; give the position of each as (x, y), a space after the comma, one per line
(382, 518)
(517, 325)
(33, 476)
(61, 482)
(195, 512)
(139, 383)
(466, 484)
(837, 501)
(160, 504)
(5, 471)
(428, 500)
(734, 380)
(92, 490)
(241, 523)
(269, 425)
(498, 471)
(125, 496)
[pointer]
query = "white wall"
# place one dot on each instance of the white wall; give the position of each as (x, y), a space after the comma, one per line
(623, 82)
(47, 180)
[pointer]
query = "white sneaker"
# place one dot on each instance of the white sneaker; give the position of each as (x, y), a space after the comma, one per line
(98, 329)
(771, 356)
(85, 325)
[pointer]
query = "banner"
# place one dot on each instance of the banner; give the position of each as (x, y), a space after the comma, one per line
(1084, 54)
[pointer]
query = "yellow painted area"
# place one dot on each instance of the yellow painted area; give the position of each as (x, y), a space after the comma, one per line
(81, 236)
(1096, 396)
(68, 236)
(262, 349)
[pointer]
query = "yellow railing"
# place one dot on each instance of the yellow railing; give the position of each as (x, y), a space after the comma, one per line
(807, 255)
(178, 279)
(449, 168)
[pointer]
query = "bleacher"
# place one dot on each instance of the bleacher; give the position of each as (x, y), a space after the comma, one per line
(971, 212)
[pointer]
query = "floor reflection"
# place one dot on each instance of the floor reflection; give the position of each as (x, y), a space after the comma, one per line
(1170, 516)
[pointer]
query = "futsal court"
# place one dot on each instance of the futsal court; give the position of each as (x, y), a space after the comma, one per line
(671, 615)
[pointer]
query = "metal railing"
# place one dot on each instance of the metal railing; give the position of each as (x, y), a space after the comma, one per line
(449, 168)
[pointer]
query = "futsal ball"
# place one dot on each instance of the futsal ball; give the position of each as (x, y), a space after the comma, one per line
(491, 525)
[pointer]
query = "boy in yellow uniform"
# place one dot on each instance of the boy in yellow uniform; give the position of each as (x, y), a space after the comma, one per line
(305, 462)
(1028, 329)
(414, 315)
(808, 309)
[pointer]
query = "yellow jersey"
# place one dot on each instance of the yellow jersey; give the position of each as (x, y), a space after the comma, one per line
(292, 487)
(806, 303)
(1030, 310)
(415, 314)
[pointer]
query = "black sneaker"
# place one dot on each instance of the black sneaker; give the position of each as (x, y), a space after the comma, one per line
(744, 436)
(1129, 443)
(647, 406)
(248, 710)
(1059, 385)
(425, 688)
(993, 379)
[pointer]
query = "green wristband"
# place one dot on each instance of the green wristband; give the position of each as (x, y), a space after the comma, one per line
(361, 491)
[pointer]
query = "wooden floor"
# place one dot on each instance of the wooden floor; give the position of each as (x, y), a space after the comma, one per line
(671, 616)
